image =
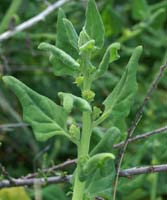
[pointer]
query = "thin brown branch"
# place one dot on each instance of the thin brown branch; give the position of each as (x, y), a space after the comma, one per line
(142, 136)
(9, 127)
(65, 179)
(52, 169)
(143, 170)
(32, 181)
(34, 20)
(134, 124)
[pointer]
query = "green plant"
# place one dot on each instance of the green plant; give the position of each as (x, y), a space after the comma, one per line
(73, 56)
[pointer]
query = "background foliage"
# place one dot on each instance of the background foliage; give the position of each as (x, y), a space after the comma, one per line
(132, 23)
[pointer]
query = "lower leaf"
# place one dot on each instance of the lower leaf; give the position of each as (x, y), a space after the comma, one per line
(46, 117)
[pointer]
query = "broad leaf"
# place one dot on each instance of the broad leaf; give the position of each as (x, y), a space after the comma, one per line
(111, 137)
(99, 183)
(94, 162)
(46, 117)
(94, 25)
(110, 56)
(118, 103)
(63, 63)
(62, 37)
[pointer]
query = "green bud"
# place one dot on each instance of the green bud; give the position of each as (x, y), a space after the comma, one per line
(88, 95)
(96, 112)
(79, 81)
(74, 132)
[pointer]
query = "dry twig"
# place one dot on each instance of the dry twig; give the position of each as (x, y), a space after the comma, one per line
(142, 136)
(65, 179)
(34, 20)
(52, 169)
(134, 124)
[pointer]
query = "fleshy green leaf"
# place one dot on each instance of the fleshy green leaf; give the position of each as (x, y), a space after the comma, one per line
(60, 54)
(69, 100)
(94, 25)
(118, 103)
(96, 161)
(110, 56)
(111, 137)
(71, 33)
(46, 117)
(66, 41)
(63, 63)
(100, 181)
(140, 9)
(62, 38)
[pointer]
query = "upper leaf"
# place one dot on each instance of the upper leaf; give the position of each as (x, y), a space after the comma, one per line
(94, 25)
(110, 56)
(64, 39)
(63, 63)
(71, 33)
(118, 103)
(46, 117)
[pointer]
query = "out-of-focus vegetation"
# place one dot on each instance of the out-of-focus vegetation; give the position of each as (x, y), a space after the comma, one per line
(132, 23)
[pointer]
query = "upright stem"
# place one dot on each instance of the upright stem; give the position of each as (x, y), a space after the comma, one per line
(83, 148)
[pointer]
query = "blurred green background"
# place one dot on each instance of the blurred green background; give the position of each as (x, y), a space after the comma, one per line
(132, 23)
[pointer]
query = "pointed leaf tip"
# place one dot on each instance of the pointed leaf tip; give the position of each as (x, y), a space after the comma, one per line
(110, 56)
(94, 25)
(119, 102)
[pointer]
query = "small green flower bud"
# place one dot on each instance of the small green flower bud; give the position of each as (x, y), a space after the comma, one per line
(79, 81)
(74, 132)
(88, 95)
(96, 112)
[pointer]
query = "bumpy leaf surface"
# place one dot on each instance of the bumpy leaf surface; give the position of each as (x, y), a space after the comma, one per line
(118, 103)
(46, 117)
(99, 183)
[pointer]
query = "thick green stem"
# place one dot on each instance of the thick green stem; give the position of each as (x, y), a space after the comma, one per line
(83, 148)
(83, 151)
